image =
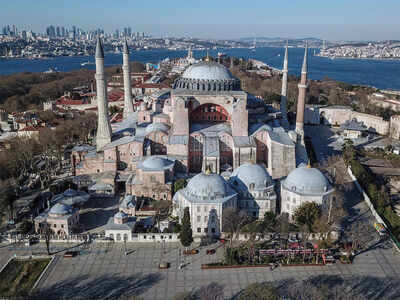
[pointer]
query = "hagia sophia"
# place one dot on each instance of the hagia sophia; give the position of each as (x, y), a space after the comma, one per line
(234, 150)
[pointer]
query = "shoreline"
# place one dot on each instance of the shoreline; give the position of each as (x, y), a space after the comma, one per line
(358, 58)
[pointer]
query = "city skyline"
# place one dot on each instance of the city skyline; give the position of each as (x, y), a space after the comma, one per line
(342, 20)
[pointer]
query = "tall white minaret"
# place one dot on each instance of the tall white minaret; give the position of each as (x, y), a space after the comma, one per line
(285, 123)
(128, 105)
(103, 136)
(301, 101)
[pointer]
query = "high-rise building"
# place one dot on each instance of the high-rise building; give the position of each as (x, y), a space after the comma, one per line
(58, 32)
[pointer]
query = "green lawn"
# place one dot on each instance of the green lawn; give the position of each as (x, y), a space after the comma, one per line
(19, 276)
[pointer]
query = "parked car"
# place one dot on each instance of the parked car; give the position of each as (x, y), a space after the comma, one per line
(163, 265)
(210, 251)
(71, 253)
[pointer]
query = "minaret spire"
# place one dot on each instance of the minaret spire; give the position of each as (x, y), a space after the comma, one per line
(128, 105)
(285, 122)
(208, 56)
(103, 136)
(301, 102)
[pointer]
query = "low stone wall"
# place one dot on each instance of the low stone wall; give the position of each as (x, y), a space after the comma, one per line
(367, 200)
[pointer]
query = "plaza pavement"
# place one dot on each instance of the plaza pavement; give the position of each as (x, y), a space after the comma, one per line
(102, 270)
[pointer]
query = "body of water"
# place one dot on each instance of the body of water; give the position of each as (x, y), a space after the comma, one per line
(383, 74)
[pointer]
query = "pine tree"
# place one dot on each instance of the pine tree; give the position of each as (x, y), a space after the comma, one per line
(186, 233)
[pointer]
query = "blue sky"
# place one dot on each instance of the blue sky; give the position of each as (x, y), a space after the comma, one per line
(329, 19)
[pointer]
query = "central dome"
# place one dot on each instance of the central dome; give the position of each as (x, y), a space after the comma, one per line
(208, 71)
(207, 77)
(204, 185)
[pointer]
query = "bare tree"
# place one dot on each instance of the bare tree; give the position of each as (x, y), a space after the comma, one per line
(47, 233)
(233, 220)
(213, 291)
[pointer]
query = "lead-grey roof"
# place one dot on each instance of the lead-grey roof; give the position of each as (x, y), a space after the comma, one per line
(99, 49)
(61, 209)
(211, 147)
(128, 202)
(178, 140)
(208, 71)
(211, 129)
(125, 226)
(307, 181)
(156, 163)
(81, 148)
(243, 141)
(250, 177)
(122, 141)
(354, 125)
(157, 127)
(208, 186)
(101, 186)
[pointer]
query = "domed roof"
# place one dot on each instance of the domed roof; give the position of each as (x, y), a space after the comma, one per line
(306, 180)
(208, 71)
(156, 163)
(120, 215)
(70, 193)
(207, 185)
(60, 209)
(157, 127)
(250, 176)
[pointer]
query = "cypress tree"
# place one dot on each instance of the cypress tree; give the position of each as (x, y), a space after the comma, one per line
(185, 236)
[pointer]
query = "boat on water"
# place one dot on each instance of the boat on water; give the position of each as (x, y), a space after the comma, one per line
(86, 63)
(50, 70)
(221, 54)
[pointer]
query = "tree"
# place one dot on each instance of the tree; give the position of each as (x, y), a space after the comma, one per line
(179, 184)
(259, 291)
(269, 222)
(306, 214)
(212, 291)
(186, 235)
(47, 234)
(9, 201)
(233, 220)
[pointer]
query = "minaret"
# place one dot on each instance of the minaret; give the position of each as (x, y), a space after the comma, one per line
(301, 101)
(231, 66)
(128, 106)
(103, 124)
(285, 122)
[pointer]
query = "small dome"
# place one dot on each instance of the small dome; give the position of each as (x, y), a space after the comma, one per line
(250, 176)
(70, 193)
(203, 185)
(208, 71)
(157, 127)
(60, 209)
(156, 163)
(306, 180)
(120, 215)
